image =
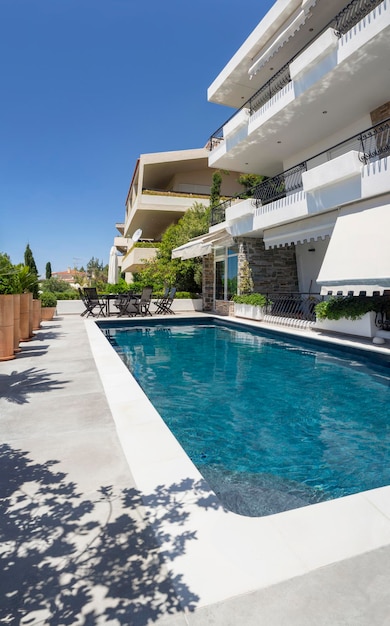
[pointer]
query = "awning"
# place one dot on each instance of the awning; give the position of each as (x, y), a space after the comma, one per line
(357, 260)
(200, 246)
(301, 231)
(295, 23)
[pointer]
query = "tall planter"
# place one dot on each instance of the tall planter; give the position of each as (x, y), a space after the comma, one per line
(30, 319)
(6, 327)
(36, 314)
(17, 322)
(25, 305)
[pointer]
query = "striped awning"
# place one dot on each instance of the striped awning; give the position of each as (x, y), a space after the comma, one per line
(357, 260)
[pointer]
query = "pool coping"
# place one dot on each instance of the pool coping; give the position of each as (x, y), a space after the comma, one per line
(232, 554)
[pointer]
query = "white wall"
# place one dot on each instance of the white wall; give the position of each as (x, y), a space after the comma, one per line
(309, 264)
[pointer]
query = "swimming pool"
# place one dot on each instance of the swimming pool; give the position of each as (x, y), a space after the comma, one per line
(271, 423)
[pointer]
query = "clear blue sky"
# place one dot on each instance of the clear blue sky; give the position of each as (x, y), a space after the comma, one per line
(86, 87)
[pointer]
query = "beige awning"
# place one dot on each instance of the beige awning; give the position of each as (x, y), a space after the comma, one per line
(301, 231)
(200, 246)
(358, 256)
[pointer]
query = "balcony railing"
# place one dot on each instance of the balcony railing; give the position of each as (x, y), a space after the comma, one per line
(293, 305)
(355, 11)
(372, 144)
(277, 187)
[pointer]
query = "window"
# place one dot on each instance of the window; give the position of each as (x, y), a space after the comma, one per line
(226, 272)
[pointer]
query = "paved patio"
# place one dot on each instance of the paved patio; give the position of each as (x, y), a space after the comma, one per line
(78, 542)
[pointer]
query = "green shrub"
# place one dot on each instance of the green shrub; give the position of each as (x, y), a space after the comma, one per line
(348, 307)
(47, 299)
(254, 299)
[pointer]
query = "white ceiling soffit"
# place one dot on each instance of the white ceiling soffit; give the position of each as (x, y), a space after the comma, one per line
(295, 23)
(358, 256)
(301, 231)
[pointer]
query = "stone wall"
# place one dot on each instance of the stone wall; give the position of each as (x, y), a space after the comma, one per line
(273, 270)
(224, 307)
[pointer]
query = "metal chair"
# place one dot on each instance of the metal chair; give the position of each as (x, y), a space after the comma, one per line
(165, 304)
(143, 303)
(92, 301)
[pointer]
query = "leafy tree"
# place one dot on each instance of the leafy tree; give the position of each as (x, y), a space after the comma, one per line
(54, 285)
(96, 272)
(163, 270)
(250, 181)
(7, 274)
(48, 270)
(215, 192)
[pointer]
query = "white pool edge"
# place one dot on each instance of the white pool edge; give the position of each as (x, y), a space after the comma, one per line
(232, 554)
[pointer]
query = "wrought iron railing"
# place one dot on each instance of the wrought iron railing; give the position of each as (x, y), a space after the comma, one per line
(342, 23)
(218, 213)
(278, 186)
(372, 144)
(293, 305)
(352, 14)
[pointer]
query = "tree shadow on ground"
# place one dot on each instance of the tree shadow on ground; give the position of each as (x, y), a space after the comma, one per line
(17, 386)
(68, 559)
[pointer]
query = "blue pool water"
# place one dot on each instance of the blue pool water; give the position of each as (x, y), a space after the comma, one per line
(270, 423)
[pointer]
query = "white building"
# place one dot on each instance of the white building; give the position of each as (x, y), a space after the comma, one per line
(311, 85)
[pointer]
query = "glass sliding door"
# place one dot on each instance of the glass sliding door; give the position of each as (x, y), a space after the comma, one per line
(226, 272)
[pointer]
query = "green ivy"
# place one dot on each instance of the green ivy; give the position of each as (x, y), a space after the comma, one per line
(348, 307)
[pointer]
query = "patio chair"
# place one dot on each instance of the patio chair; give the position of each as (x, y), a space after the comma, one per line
(164, 307)
(125, 303)
(93, 302)
(142, 304)
(158, 303)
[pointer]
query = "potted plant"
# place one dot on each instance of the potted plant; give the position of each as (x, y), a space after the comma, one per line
(49, 303)
(251, 306)
(353, 315)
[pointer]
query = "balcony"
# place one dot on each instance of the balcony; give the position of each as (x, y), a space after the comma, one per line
(296, 91)
(134, 260)
(122, 244)
(351, 170)
(154, 210)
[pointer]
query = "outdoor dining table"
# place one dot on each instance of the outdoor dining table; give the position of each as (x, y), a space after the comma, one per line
(107, 297)
(114, 296)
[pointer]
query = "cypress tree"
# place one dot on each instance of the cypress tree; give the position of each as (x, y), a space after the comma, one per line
(30, 262)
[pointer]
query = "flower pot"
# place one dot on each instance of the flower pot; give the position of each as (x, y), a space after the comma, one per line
(363, 327)
(17, 322)
(25, 304)
(36, 314)
(249, 311)
(47, 313)
(6, 327)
